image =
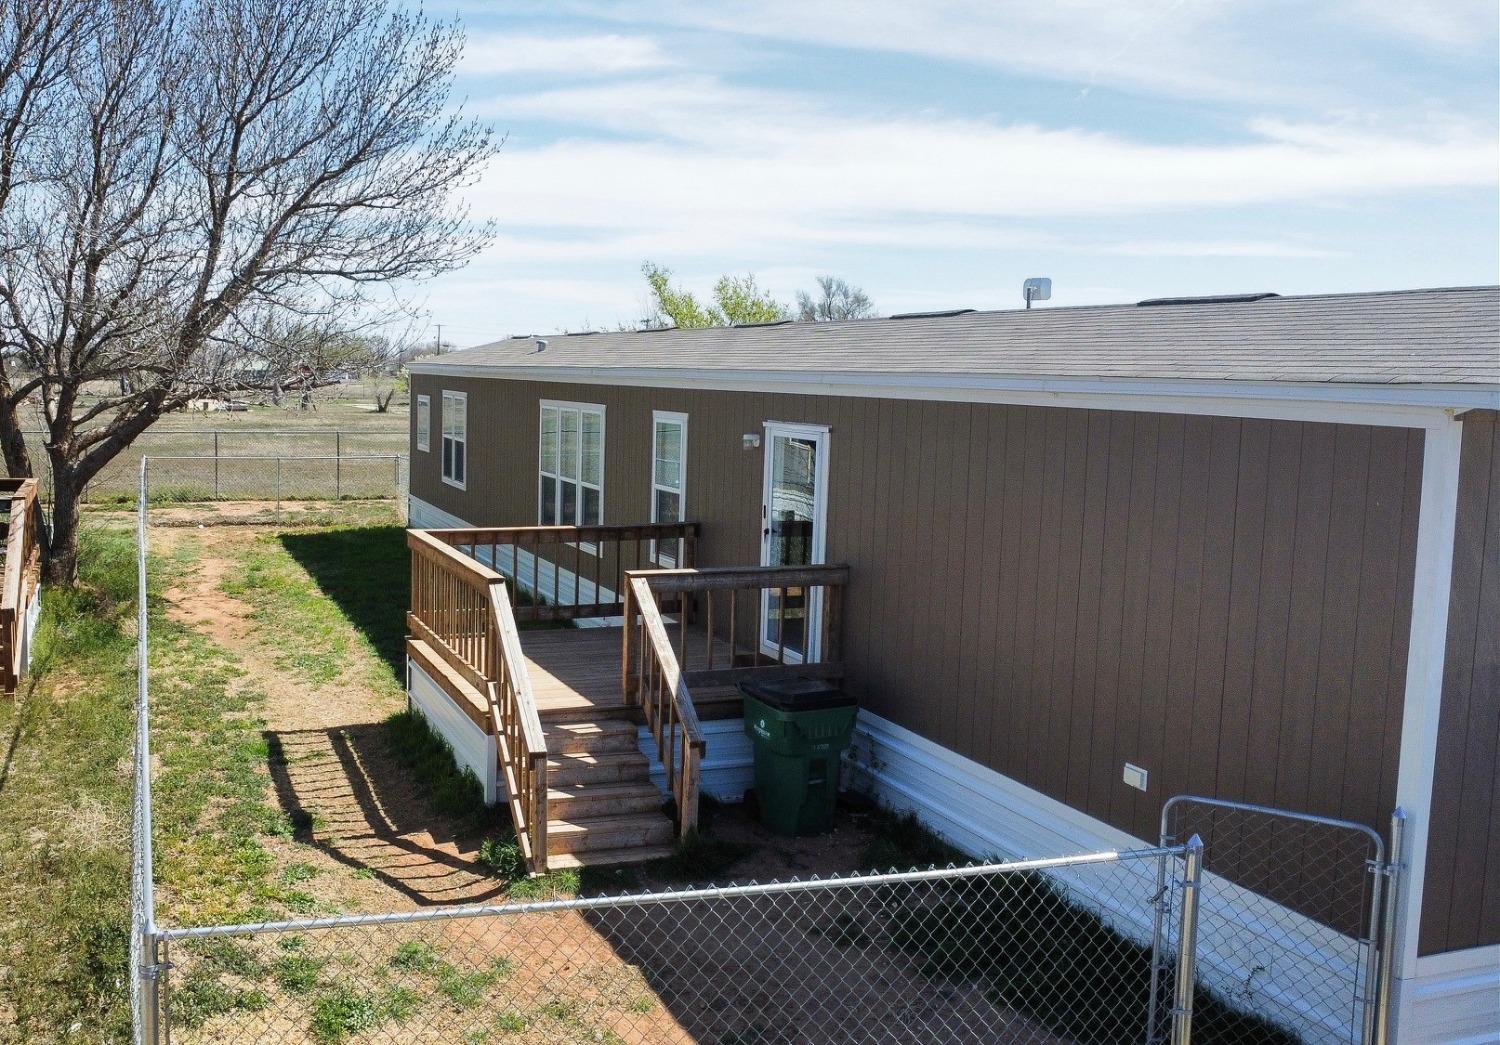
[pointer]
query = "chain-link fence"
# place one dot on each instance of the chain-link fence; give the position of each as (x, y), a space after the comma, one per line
(273, 489)
(1291, 917)
(991, 953)
(1269, 942)
(116, 482)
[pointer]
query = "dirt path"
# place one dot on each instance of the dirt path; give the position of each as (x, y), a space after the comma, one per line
(378, 847)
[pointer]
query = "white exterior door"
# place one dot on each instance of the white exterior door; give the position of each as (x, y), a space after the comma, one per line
(794, 511)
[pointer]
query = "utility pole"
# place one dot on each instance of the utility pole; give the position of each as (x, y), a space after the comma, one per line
(440, 339)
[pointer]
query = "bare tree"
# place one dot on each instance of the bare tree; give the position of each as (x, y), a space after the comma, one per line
(836, 300)
(185, 184)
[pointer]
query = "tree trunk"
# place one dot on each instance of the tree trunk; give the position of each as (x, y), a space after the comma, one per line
(61, 549)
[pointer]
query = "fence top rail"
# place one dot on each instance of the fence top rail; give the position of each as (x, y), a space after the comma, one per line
(719, 577)
(688, 895)
(422, 542)
(204, 458)
(1285, 814)
(301, 433)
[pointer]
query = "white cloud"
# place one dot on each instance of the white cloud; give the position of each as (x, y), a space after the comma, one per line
(1241, 50)
(768, 171)
(1214, 249)
(511, 54)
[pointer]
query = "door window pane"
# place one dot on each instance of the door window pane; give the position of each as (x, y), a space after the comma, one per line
(668, 506)
(591, 468)
(549, 501)
(568, 462)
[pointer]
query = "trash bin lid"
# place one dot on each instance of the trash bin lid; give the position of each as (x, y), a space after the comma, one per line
(797, 693)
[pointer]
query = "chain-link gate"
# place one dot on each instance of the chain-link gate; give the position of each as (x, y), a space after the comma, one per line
(1292, 914)
(1026, 951)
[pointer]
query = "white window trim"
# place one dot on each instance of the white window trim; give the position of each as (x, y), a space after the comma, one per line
(669, 417)
(449, 394)
(590, 547)
(424, 425)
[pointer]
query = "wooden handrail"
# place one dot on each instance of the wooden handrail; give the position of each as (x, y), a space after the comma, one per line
(666, 703)
(572, 572)
(654, 674)
(21, 577)
(462, 610)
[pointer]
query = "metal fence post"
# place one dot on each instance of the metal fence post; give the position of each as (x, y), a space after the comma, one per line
(338, 465)
(1162, 906)
(216, 466)
(278, 490)
(1187, 943)
(1384, 1031)
(153, 950)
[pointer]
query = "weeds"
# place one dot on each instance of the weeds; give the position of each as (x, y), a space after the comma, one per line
(452, 792)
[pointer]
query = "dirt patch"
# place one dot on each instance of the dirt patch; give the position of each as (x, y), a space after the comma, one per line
(367, 832)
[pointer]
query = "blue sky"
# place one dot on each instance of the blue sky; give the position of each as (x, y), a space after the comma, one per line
(938, 153)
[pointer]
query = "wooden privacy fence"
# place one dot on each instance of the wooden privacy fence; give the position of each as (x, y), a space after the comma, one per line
(22, 575)
(462, 610)
(655, 675)
(574, 571)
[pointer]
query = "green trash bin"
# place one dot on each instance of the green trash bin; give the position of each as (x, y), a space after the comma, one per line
(798, 727)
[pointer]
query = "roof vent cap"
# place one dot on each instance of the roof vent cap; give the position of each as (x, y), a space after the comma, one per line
(933, 315)
(1211, 299)
(764, 323)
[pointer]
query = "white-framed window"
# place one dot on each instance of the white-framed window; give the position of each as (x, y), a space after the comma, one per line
(456, 438)
(570, 466)
(424, 422)
(668, 480)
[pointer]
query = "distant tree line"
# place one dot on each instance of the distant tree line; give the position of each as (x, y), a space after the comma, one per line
(740, 299)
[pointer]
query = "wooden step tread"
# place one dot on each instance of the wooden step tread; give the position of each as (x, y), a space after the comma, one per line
(620, 790)
(608, 832)
(597, 767)
(608, 857)
(590, 735)
(575, 801)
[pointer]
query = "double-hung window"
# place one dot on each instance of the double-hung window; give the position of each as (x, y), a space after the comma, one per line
(570, 487)
(424, 422)
(456, 438)
(668, 480)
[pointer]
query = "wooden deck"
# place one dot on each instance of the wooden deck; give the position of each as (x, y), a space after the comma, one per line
(575, 672)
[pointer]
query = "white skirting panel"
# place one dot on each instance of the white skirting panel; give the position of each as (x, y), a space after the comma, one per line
(473, 748)
(1454, 999)
(728, 768)
(28, 628)
(985, 814)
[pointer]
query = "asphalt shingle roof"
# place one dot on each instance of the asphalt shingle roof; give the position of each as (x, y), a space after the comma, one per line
(1440, 337)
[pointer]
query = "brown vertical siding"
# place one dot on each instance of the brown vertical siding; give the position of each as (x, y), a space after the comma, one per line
(1461, 900)
(1054, 592)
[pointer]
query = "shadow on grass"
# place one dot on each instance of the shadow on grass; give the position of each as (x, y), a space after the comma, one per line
(366, 570)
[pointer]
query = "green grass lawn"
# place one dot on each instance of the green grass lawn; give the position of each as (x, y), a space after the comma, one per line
(65, 783)
(65, 799)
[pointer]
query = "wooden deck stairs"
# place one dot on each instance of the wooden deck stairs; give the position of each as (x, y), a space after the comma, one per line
(602, 806)
(570, 709)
